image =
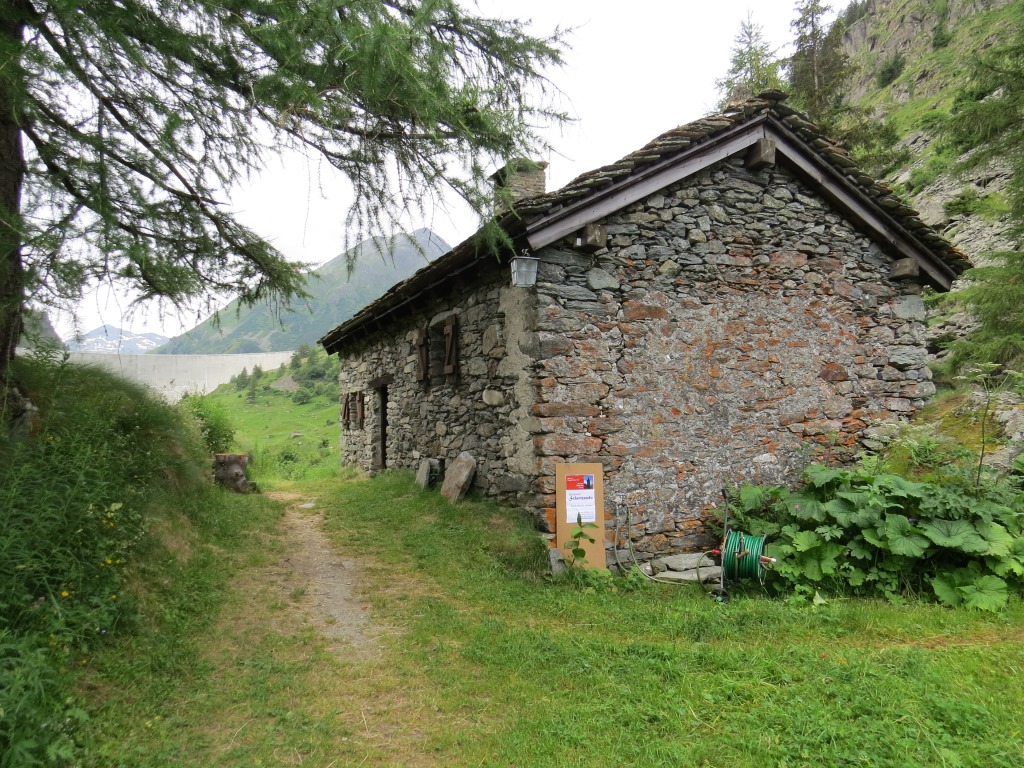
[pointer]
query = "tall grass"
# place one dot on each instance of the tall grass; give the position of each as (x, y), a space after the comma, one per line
(74, 499)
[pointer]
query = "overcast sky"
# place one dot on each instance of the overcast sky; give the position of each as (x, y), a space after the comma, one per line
(634, 70)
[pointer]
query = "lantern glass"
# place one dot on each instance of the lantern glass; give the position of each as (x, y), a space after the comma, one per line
(524, 271)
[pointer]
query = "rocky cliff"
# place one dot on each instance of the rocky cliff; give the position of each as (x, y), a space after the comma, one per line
(908, 60)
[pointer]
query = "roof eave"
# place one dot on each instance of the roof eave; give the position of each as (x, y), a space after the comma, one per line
(884, 228)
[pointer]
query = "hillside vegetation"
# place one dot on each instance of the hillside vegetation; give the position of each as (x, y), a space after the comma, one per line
(109, 483)
(286, 419)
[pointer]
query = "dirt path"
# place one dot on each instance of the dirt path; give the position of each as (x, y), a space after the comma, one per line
(322, 584)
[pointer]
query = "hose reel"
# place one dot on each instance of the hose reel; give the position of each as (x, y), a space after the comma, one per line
(741, 556)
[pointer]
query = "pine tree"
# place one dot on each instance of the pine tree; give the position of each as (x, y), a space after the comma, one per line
(817, 76)
(753, 67)
(122, 125)
(818, 67)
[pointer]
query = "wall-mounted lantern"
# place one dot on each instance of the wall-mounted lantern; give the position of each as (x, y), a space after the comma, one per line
(524, 270)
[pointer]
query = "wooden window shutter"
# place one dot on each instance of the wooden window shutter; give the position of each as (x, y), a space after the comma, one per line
(359, 410)
(346, 412)
(451, 346)
(422, 356)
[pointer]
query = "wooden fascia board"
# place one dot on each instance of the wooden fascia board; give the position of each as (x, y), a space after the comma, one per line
(853, 203)
(554, 226)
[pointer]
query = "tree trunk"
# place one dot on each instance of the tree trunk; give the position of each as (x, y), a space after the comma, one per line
(12, 174)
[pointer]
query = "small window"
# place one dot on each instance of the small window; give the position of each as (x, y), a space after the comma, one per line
(352, 415)
(442, 351)
(423, 356)
(451, 347)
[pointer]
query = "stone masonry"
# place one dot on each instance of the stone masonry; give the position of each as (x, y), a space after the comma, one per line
(481, 409)
(734, 328)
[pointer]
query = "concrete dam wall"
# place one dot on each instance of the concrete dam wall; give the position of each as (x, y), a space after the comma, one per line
(174, 375)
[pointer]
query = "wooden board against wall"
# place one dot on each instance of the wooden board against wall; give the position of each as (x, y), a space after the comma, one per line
(579, 490)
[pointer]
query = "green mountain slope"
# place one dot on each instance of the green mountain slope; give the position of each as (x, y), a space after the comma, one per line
(910, 59)
(336, 296)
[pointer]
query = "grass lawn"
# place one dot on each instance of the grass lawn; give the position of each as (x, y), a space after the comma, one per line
(286, 440)
(483, 661)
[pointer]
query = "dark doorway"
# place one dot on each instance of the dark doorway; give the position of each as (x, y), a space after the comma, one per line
(380, 386)
(382, 436)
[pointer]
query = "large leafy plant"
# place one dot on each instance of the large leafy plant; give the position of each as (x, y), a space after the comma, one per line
(854, 531)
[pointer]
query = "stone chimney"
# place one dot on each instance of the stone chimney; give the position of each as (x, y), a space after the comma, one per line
(518, 179)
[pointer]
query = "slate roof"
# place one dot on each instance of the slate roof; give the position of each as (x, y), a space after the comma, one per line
(832, 165)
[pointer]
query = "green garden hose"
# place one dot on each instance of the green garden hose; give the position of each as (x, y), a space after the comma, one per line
(741, 556)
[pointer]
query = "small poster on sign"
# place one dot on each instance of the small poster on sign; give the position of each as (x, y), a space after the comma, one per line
(580, 499)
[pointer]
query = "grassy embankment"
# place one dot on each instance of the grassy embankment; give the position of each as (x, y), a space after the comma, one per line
(481, 660)
(476, 659)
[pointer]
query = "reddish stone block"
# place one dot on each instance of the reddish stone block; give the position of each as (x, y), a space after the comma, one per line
(789, 259)
(554, 345)
(635, 311)
(606, 426)
(833, 372)
(583, 410)
(567, 367)
(566, 445)
(549, 518)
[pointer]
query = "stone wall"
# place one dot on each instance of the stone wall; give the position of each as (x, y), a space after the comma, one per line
(481, 410)
(734, 329)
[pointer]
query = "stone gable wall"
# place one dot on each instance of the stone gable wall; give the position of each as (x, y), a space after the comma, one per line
(481, 411)
(735, 329)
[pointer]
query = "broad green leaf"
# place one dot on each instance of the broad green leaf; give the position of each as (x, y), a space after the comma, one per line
(754, 497)
(894, 485)
(1013, 562)
(819, 476)
(866, 517)
(842, 510)
(946, 590)
(875, 537)
(857, 549)
(855, 577)
(818, 599)
(954, 534)
(810, 566)
(988, 593)
(903, 537)
(820, 561)
(829, 555)
(805, 507)
(778, 551)
(805, 540)
(997, 539)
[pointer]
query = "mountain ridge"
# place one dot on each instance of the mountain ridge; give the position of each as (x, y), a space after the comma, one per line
(108, 339)
(337, 291)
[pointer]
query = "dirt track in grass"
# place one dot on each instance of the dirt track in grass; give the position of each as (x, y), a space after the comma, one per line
(322, 584)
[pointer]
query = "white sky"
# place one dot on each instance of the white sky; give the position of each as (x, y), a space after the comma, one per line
(634, 70)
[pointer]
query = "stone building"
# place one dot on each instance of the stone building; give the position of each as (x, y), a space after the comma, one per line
(723, 305)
